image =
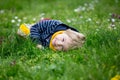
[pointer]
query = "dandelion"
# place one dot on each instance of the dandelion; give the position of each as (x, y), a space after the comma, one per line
(114, 28)
(80, 8)
(113, 25)
(68, 20)
(77, 10)
(83, 9)
(97, 22)
(73, 19)
(12, 21)
(97, 29)
(24, 18)
(117, 77)
(89, 19)
(34, 19)
(36, 67)
(19, 20)
(16, 17)
(91, 7)
(113, 20)
(2, 11)
(85, 4)
(18, 24)
(81, 17)
(42, 18)
(42, 14)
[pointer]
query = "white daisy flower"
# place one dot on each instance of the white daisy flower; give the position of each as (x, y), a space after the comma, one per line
(12, 21)
(16, 17)
(68, 20)
(2, 11)
(19, 20)
(113, 20)
(89, 19)
(24, 18)
(34, 19)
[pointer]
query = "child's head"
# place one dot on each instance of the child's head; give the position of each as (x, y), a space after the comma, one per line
(69, 39)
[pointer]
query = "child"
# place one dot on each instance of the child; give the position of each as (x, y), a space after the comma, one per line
(54, 34)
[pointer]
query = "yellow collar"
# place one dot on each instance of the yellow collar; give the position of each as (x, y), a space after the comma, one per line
(53, 36)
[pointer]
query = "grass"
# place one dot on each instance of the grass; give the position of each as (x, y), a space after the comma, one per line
(98, 59)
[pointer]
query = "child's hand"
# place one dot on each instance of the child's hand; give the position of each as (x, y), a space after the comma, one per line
(20, 33)
(39, 46)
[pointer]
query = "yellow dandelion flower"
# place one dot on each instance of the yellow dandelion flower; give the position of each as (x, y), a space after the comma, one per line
(24, 29)
(117, 77)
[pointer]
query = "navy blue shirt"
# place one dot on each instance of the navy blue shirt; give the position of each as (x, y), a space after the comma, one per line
(42, 31)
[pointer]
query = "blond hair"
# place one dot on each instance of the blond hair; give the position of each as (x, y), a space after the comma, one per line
(77, 39)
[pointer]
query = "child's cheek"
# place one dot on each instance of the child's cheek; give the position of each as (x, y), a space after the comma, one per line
(53, 42)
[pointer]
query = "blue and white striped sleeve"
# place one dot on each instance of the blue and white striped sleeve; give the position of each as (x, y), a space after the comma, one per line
(48, 25)
(45, 26)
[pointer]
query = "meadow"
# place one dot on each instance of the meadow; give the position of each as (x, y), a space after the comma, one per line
(98, 59)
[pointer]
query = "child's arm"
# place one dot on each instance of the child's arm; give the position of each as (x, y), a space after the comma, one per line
(38, 31)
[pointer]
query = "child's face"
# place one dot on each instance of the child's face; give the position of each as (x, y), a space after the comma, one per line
(61, 42)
